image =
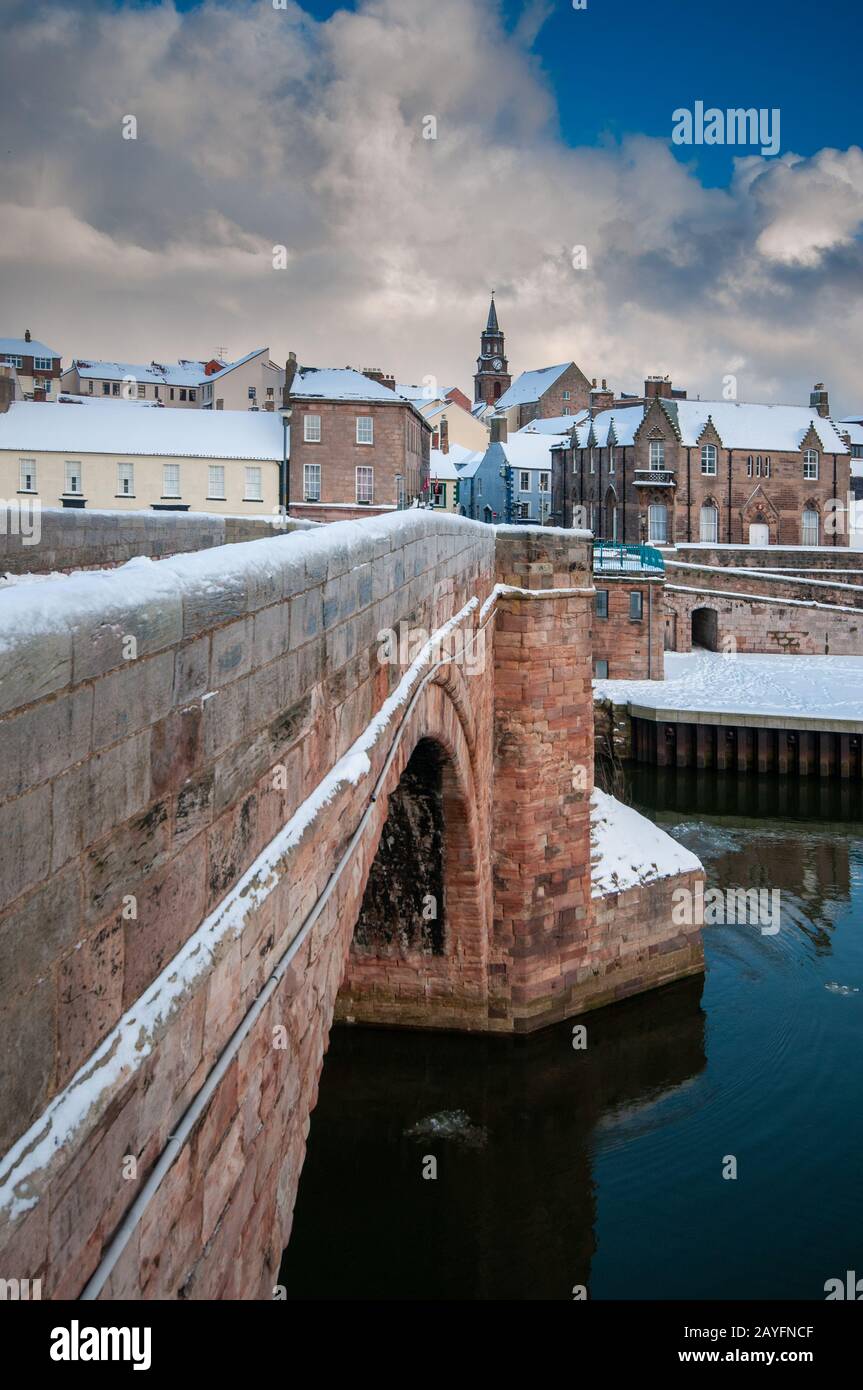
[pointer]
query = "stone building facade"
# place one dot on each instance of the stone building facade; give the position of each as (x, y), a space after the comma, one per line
(708, 471)
(355, 445)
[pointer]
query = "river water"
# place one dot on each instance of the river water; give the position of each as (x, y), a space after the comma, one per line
(603, 1168)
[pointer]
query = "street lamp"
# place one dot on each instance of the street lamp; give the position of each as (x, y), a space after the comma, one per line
(400, 491)
(284, 471)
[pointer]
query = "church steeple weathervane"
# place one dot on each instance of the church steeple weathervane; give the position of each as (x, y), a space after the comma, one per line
(492, 378)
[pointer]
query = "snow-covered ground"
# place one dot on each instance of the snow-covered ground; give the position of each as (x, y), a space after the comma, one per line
(827, 687)
(627, 849)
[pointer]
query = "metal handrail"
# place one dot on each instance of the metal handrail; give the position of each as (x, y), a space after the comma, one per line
(615, 557)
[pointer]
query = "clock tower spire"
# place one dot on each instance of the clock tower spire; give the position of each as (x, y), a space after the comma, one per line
(492, 377)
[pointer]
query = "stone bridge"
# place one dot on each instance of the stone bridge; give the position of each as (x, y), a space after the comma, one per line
(343, 772)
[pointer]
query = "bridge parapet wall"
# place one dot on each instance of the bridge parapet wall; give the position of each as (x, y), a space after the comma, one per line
(160, 735)
(73, 539)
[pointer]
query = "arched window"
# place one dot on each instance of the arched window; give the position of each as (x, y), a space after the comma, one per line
(810, 464)
(709, 523)
(767, 466)
(749, 466)
(708, 459)
(758, 467)
(657, 522)
(810, 526)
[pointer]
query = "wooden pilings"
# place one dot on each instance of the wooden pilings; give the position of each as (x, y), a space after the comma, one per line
(740, 748)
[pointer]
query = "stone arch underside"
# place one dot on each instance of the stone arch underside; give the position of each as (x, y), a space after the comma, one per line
(421, 924)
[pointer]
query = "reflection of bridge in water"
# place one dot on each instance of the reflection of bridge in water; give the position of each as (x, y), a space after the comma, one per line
(510, 1218)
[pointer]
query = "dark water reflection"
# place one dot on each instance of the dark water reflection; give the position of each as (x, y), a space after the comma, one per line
(603, 1167)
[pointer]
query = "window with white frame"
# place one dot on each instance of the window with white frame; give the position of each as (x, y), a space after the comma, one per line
(312, 429)
(708, 460)
(636, 605)
(592, 461)
(253, 492)
(657, 453)
(810, 526)
(523, 511)
(216, 481)
(170, 480)
(758, 466)
(767, 466)
(26, 475)
(311, 482)
(750, 466)
(545, 482)
(73, 475)
(708, 527)
(810, 464)
(365, 484)
(42, 364)
(524, 481)
(657, 522)
(12, 360)
(365, 429)
(90, 388)
(566, 395)
(125, 480)
(611, 458)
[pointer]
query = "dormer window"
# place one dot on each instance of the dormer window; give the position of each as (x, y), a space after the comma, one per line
(657, 453)
(810, 464)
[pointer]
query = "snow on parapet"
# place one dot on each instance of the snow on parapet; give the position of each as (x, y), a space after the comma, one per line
(627, 849)
(29, 612)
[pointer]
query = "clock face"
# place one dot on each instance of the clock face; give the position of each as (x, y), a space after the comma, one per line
(497, 364)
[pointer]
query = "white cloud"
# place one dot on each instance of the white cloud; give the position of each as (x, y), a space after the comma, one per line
(259, 127)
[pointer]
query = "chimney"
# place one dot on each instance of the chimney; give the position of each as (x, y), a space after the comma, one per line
(819, 399)
(601, 398)
(290, 373)
(658, 386)
(498, 429)
(26, 335)
(444, 435)
(384, 378)
(7, 393)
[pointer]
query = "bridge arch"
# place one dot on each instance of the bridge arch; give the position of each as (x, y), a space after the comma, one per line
(421, 911)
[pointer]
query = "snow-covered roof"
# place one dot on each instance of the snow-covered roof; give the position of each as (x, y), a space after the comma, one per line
(70, 398)
(182, 373)
(852, 420)
(744, 425)
(555, 424)
(117, 428)
(741, 425)
(527, 450)
(419, 396)
(21, 348)
(530, 386)
(624, 419)
(449, 466)
(854, 431)
(340, 384)
(232, 366)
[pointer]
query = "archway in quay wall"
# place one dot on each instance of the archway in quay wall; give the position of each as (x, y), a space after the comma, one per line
(705, 628)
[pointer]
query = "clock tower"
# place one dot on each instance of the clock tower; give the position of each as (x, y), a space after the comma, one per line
(492, 378)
